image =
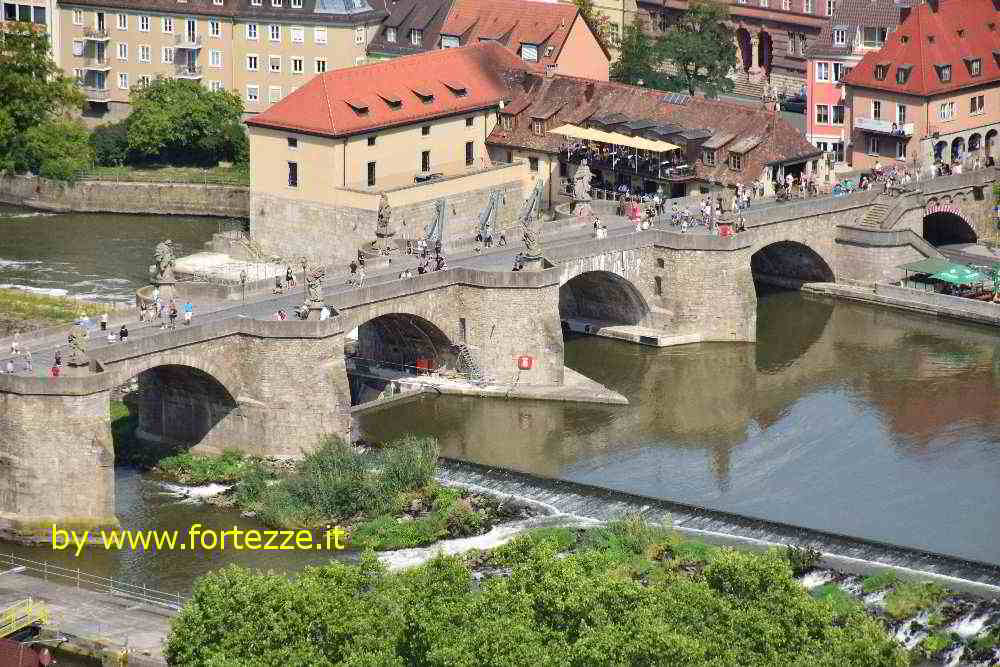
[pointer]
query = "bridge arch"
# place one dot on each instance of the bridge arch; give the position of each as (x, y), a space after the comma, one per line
(602, 296)
(792, 260)
(946, 225)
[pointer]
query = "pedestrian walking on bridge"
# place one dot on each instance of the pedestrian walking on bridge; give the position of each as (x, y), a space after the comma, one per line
(104, 321)
(188, 313)
(123, 334)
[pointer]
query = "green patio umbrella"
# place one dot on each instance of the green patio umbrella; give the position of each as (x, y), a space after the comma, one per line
(959, 275)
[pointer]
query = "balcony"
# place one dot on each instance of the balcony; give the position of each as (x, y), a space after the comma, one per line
(884, 127)
(187, 41)
(96, 34)
(187, 71)
(95, 94)
(97, 64)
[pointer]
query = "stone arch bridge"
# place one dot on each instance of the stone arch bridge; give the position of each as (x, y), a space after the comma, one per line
(274, 389)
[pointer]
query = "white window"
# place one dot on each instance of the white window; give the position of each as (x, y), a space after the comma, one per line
(145, 53)
(78, 74)
(296, 4)
(802, 44)
(900, 114)
(839, 36)
(872, 144)
(252, 62)
(830, 6)
(215, 86)
(168, 55)
(123, 21)
(214, 28)
(447, 41)
(320, 65)
(123, 51)
(529, 52)
(838, 114)
(977, 105)
(763, 3)
(900, 149)
(822, 71)
(876, 109)
(274, 63)
(946, 111)
(215, 58)
(822, 114)
(319, 35)
(807, 6)
(275, 3)
(297, 67)
(390, 36)
(298, 34)
(255, 3)
(359, 34)
(144, 80)
(143, 24)
(274, 94)
(791, 43)
(217, 2)
(253, 93)
(416, 36)
(168, 24)
(275, 32)
(839, 71)
(77, 17)
(251, 31)
(78, 46)
(786, 5)
(123, 80)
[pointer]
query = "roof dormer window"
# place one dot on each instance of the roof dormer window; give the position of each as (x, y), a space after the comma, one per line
(881, 70)
(975, 66)
(358, 106)
(529, 53)
(416, 37)
(944, 72)
(457, 89)
(424, 95)
(390, 35)
(449, 42)
(903, 74)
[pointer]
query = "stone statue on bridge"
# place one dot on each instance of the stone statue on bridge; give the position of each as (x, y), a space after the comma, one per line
(77, 353)
(581, 190)
(529, 222)
(162, 272)
(314, 284)
(383, 231)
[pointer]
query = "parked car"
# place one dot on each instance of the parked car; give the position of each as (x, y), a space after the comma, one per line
(794, 103)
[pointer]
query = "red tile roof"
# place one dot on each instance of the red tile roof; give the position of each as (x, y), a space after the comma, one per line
(329, 103)
(944, 32)
(512, 23)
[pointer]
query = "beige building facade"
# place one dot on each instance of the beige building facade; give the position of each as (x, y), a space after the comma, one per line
(262, 59)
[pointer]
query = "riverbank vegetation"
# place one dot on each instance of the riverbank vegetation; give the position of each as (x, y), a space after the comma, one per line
(21, 310)
(624, 594)
(385, 496)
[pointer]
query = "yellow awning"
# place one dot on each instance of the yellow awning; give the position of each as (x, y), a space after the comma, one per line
(615, 138)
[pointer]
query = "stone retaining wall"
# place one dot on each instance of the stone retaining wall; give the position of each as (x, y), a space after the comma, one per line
(126, 197)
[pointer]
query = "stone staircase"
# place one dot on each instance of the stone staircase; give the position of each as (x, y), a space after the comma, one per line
(876, 213)
(747, 88)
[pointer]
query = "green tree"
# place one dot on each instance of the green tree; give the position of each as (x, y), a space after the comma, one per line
(597, 21)
(181, 122)
(638, 60)
(59, 149)
(33, 92)
(110, 142)
(700, 47)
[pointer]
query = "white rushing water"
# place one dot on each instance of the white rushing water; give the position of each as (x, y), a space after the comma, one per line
(816, 578)
(193, 494)
(969, 625)
(49, 291)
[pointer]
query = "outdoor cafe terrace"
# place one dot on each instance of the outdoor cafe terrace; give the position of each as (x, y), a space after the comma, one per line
(939, 275)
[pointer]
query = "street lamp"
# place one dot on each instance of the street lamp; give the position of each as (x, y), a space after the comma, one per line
(243, 283)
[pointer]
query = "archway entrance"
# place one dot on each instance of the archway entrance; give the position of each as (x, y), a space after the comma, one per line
(766, 47)
(392, 347)
(179, 407)
(958, 149)
(746, 48)
(947, 228)
(789, 264)
(601, 298)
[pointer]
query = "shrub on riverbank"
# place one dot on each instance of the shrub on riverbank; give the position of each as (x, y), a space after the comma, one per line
(21, 310)
(564, 602)
(188, 468)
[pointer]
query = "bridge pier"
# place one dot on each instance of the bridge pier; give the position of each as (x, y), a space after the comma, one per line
(56, 457)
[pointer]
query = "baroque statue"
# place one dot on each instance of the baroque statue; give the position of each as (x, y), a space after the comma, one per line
(532, 246)
(163, 270)
(581, 182)
(384, 216)
(77, 353)
(314, 283)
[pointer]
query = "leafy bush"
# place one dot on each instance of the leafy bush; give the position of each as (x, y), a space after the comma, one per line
(909, 598)
(802, 560)
(879, 582)
(840, 600)
(551, 610)
(188, 468)
(110, 143)
(629, 536)
(935, 643)
(57, 149)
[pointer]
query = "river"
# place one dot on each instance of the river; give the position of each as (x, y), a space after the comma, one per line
(870, 422)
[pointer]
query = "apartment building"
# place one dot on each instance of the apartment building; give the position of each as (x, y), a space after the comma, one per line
(549, 34)
(772, 37)
(932, 93)
(38, 13)
(259, 49)
(856, 28)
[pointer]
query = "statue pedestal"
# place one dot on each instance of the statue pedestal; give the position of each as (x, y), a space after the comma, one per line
(532, 263)
(167, 291)
(313, 308)
(76, 367)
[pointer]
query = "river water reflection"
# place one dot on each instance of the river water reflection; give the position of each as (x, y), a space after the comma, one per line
(869, 422)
